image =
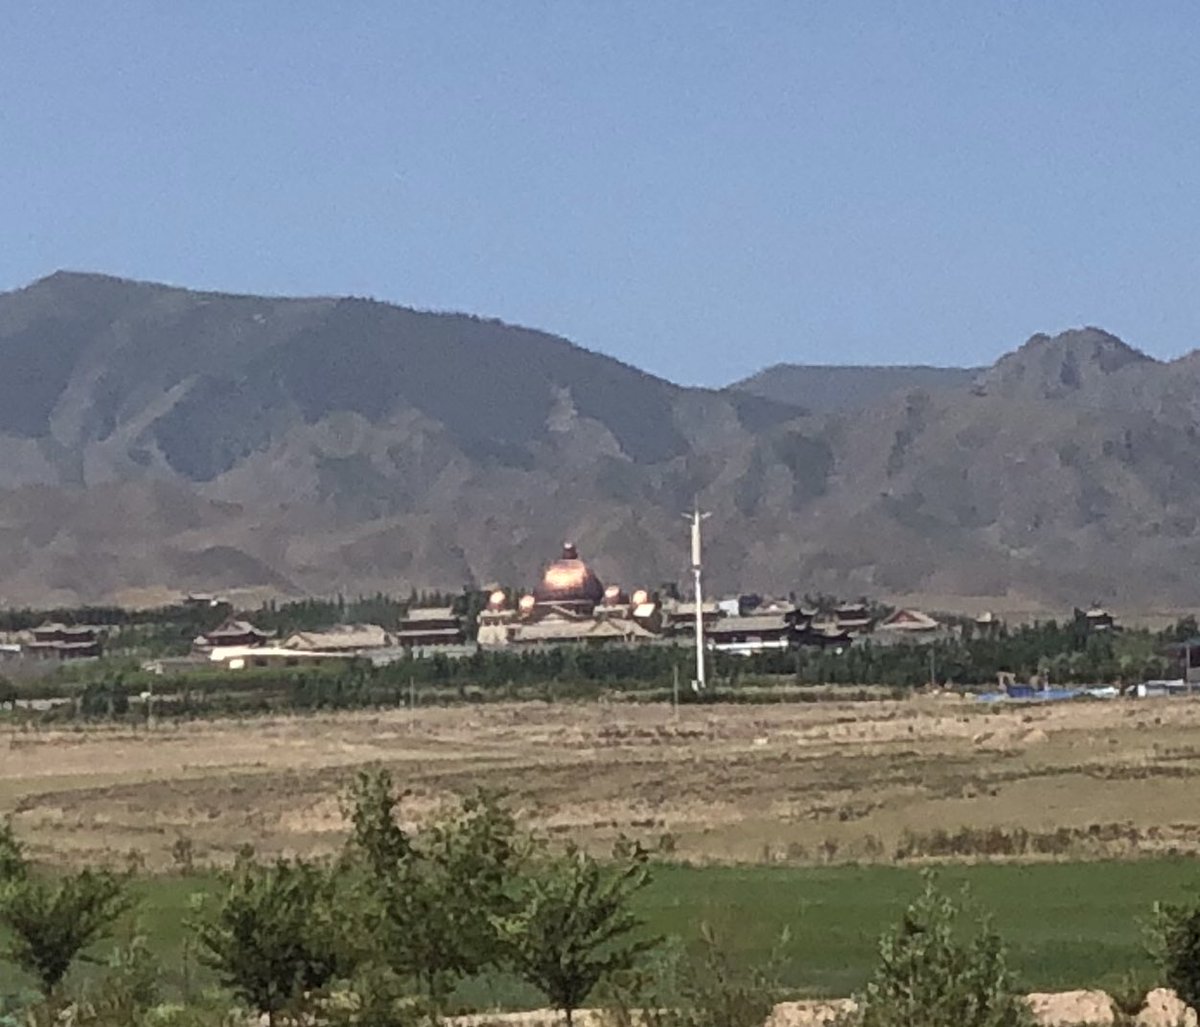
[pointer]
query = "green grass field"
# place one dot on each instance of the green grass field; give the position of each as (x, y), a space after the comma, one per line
(1067, 925)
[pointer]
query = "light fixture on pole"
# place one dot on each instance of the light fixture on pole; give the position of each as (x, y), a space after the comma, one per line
(698, 684)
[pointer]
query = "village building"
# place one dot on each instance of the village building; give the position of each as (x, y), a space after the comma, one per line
(559, 628)
(495, 621)
(854, 618)
(230, 633)
(206, 600)
(247, 657)
(637, 609)
(774, 625)
(909, 623)
(987, 624)
(1099, 620)
(909, 626)
(428, 626)
(680, 616)
(828, 635)
(1187, 653)
(64, 642)
(755, 633)
(341, 638)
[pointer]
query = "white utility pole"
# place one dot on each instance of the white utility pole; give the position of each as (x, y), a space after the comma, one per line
(696, 517)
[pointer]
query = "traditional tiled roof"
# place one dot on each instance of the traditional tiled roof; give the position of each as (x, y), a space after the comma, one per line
(418, 632)
(750, 624)
(234, 628)
(590, 629)
(429, 613)
(340, 637)
(688, 609)
(909, 620)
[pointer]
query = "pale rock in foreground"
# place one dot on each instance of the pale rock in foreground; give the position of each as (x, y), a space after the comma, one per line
(1163, 1008)
(1067, 1008)
(810, 1014)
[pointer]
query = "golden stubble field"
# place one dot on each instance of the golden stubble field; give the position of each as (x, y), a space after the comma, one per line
(804, 783)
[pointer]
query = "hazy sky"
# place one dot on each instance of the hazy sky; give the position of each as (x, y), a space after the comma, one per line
(700, 189)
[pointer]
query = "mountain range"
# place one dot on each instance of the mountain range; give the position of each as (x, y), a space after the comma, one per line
(156, 440)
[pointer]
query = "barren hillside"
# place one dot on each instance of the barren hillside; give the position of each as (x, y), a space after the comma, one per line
(156, 439)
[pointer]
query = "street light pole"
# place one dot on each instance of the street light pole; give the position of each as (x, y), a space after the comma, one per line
(696, 517)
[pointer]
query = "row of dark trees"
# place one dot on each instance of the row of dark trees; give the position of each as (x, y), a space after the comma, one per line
(1062, 654)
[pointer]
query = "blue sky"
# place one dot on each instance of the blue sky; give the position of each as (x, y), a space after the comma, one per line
(698, 189)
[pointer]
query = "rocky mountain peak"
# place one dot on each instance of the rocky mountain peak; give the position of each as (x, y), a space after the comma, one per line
(1051, 367)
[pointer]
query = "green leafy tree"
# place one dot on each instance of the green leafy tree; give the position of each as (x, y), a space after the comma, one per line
(1175, 944)
(376, 840)
(575, 927)
(469, 859)
(715, 992)
(13, 866)
(124, 993)
(52, 923)
(929, 974)
(430, 901)
(274, 939)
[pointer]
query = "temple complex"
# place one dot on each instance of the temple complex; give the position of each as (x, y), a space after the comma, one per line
(569, 605)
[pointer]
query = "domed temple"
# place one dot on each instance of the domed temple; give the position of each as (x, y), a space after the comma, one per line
(569, 604)
(569, 583)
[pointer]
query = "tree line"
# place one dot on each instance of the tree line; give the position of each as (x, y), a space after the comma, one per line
(1059, 653)
(383, 933)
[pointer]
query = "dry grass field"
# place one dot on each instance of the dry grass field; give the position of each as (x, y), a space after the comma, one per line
(817, 782)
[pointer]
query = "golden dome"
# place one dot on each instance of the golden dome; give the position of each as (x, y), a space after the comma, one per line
(569, 580)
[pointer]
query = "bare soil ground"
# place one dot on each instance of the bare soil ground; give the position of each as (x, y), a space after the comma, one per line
(803, 783)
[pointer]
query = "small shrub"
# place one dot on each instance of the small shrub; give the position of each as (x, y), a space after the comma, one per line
(714, 992)
(698, 988)
(828, 850)
(873, 847)
(796, 852)
(13, 866)
(1129, 996)
(183, 852)
(125, 993)
(928, 974)
(1175, 944)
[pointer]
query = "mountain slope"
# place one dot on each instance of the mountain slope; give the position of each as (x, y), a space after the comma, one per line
(357, 444)
(833, 389)
(155, 438)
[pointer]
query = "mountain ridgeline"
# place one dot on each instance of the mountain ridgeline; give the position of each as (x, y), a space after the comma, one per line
(156, 440)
